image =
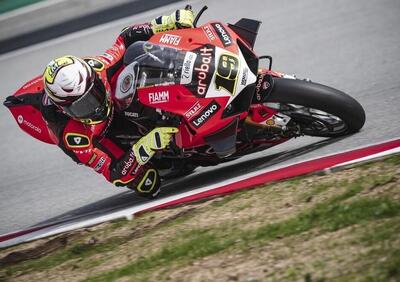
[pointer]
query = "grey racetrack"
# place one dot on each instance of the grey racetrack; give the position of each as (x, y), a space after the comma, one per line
(350, 45)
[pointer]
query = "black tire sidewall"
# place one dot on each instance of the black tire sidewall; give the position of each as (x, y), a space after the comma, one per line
(320, 97)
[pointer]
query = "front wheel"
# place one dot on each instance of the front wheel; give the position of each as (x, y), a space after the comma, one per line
(317, 110)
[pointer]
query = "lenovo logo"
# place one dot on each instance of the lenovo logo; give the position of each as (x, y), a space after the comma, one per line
(223, 34)
(206, 114)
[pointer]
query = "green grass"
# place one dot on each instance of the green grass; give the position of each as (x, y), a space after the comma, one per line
(383, 265)
(331, 215)
(317, 189)
(228, 198)
(394, 160)
(383, 232)
(77, 251)
(82, 250)
(200, 244)
(9, 5)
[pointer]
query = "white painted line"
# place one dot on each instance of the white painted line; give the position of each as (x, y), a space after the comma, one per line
(371, 157)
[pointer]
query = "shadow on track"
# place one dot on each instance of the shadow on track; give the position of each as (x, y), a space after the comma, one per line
(176, 186)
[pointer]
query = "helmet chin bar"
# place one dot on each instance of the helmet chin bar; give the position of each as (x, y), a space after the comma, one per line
(91, 121)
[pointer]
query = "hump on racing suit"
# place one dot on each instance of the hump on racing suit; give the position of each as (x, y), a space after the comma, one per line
(25, 105)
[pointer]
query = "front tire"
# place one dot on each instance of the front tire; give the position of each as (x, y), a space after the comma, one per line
(319, 110)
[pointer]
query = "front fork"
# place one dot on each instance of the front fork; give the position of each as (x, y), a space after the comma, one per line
(262, 113)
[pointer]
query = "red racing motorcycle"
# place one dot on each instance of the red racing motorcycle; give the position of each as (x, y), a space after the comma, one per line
(207, 82)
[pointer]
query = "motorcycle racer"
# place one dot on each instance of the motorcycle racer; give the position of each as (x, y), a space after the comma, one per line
(84, 117)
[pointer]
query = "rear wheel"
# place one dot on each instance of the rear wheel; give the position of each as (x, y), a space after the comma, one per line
(316, 109)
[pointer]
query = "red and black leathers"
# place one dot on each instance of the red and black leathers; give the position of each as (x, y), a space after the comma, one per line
(100, 146)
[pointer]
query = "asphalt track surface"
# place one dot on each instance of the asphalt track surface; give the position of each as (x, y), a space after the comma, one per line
(351, 45)
(86, 21)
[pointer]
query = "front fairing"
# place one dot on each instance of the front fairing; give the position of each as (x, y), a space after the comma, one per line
(195, 76)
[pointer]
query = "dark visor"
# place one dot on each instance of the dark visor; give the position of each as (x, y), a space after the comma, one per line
(92, 105)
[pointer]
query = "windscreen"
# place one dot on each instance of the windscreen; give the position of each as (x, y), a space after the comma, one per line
(158, 65)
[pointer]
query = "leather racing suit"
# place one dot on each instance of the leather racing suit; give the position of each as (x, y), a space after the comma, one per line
(100, 146)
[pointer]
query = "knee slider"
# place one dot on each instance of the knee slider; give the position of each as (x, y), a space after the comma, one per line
(148, 185)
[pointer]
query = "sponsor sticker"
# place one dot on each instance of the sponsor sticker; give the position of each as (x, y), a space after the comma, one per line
(223, 35)
(261, 85)
(108, 57)
(170, 39)
(193, 110)
(96, 64)
(203, 69)
(209, 33)
(100, 164)
(82, 152)
(128, 163)
(75, 140)
(135, 171)
(206, 114)
(131, 114)
(148, 181)
(245, 74)
(158, 97)
(270, 122)
(187, 67)
(23, 121)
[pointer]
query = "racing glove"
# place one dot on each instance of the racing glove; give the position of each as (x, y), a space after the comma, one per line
(157, 139)
(182, 18)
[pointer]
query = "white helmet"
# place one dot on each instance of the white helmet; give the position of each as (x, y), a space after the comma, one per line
(75, 87)
(67, 78)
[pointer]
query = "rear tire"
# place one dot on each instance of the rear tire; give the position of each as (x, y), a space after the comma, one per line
(320, 97)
